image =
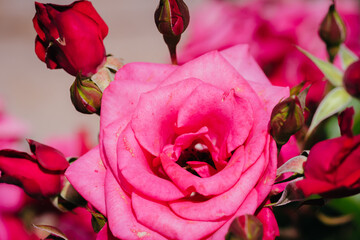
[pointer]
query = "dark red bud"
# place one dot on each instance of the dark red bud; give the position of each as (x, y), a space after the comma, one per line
(172, 17)
(352, 79)
(332, 31)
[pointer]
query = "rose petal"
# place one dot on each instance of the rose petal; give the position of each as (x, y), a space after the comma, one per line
(247, 207)
(48, 157)
(122, 95)
(159, 109)
(108, 139)
(164, 221)
(121, 219)
(214, 185)
(87, 175)
(134, 167)
(241, 59)
(222, 205)
(228, 117)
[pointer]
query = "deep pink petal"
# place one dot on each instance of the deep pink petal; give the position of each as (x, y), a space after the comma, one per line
(134, 167)
(223, 205)
(121, 219)
(159, 109)
(247, 207)
(48, 157)
(108, 139)
(121, 97)
(270, 226)
(87, 175)
(228, 117)
(214, 185)
(161, 219)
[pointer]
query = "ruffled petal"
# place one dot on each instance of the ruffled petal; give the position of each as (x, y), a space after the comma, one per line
(223, 205)
(159, 109)
(122, 95)
(164, 221)
(134, 167)
(214, 185)
(87, 175)
(121, 219)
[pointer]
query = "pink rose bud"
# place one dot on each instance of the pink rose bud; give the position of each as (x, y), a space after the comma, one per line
(172, 18)
(39, 174)
(86, 96)
(70, 37)
(286, 119)
(332, 31)
(352, 79)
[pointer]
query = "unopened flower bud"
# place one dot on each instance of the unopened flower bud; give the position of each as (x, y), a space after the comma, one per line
(286, 119)
(332, 31)
(171, 19)
(86, 96)
(86, 93)
(352, 79)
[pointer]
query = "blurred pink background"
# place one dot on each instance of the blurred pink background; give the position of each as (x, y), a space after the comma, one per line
(39, 96)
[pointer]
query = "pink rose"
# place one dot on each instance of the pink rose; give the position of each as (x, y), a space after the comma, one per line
(70, 37)
(183, 149)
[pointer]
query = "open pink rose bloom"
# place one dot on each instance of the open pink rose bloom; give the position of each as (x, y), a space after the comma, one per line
(183, 149)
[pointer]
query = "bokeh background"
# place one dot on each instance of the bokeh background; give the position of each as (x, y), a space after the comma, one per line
(40, 97)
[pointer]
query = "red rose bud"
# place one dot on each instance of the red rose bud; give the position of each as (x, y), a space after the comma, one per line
(332, 169)
(70, 37)
(352, 79)
(332, 31)
(39, 174)
(286, 119)
(172, 18)
(86, 96)
(245, 227)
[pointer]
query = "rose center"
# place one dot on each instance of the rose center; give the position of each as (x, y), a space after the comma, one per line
(197, 153)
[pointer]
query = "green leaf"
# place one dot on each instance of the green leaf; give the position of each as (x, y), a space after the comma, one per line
(347, 57)
(335, 101)
(98, 221)
(293, 165)
(290, 194)
(332, 73)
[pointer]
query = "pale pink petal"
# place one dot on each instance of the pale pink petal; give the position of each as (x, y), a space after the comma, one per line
(121, 219)
(87, 175)
(247, 207)
(121, 96)
(161, 219)
(155, 116)
(108, 139)
(223, 205)
(241, 59)
(134, 167)
(214, 185)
